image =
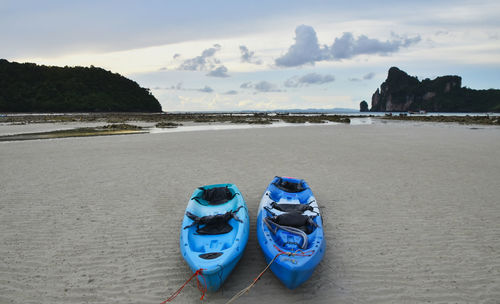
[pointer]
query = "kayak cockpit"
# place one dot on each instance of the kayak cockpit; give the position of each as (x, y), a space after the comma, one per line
(289, 189)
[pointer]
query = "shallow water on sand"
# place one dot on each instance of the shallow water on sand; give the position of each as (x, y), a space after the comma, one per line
(411, 213)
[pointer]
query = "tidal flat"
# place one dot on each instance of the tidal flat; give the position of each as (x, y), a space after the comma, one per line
(113, 129)
(14, 127)
(411, 213)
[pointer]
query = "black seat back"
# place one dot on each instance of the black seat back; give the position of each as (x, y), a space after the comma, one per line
(300, 208)
(296, 220)
(217, 195)
(289, 186)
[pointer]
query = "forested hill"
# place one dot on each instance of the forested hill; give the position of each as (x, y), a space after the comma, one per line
(28, 87)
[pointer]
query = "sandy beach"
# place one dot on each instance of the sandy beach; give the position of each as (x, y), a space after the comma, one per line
(411, 211)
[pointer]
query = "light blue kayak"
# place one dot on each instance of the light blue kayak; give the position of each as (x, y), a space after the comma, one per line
(290, 228)
(214, 232)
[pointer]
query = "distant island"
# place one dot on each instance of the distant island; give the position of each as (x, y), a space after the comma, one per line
(401, 92)
(27, 87)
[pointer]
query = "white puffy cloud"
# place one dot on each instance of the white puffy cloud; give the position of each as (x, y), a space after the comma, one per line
(248, 56)
(265, 86)
(246, 85)
(261, 86)
(220, 71)
(307, 50)
(348, 46)
(204, 62)
(308, 79)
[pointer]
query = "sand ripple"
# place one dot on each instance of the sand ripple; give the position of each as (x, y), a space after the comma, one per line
(411, 213)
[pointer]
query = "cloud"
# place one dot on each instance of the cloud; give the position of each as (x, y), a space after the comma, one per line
(265, 86)
(307, 50)
(220, 71)
(177, 55)
(230, 92)
(494, 36)
(246, 85)
(262, 86)
(248, 56)
(369, 76)
(306, 80)
(178, 86)
(204, 62)
(347, 46)
(206, 89)
(365, 77)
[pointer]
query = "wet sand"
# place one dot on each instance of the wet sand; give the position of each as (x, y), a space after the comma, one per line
(411, 213)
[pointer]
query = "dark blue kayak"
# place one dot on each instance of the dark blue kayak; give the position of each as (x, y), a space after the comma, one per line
(290, 227)
(214, 232)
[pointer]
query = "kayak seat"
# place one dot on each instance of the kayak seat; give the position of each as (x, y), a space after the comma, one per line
(213, 224)
(289, 186)
(215, 196)
(300, 208)
(295, 220)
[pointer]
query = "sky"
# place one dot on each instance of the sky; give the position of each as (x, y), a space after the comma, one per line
(259, 55)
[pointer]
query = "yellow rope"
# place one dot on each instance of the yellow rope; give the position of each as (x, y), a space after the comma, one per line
(246, 289)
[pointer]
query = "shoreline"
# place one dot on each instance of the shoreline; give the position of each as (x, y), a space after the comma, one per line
(113, 129)
(249, 118)
(58, 126)
(256, 118)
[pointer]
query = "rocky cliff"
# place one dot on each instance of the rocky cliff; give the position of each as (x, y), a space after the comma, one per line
(401, 92)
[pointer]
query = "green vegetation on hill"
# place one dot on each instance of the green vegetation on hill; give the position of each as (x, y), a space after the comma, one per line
(401, 92)
(28, 87)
